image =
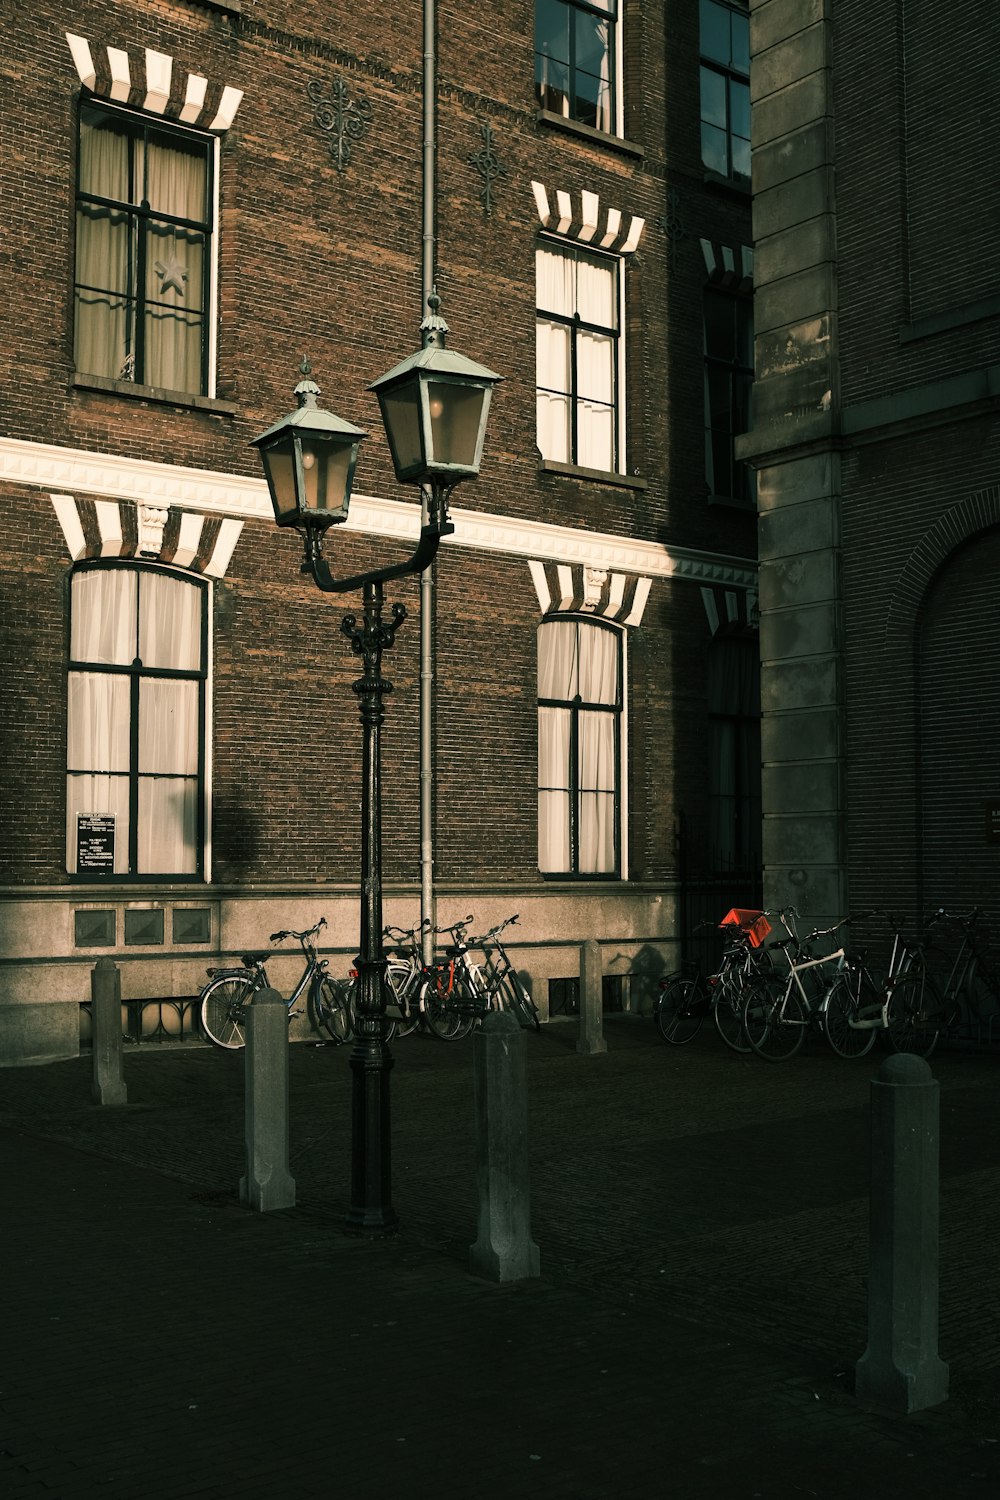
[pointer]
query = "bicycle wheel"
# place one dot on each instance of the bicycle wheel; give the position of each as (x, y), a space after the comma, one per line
(442, 1016)
(775, 1024)
(223, 1010)
(404, 998)
(516, 999)
(679, 1012)
(915, 1015)
(728, 1012)
(329, 1011)
(840, 1010)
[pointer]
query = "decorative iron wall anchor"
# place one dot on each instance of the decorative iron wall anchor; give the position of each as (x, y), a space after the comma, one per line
(673, 226)
(345, 120)
(488, 165)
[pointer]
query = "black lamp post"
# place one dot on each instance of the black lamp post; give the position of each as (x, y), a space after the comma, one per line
(434, 406)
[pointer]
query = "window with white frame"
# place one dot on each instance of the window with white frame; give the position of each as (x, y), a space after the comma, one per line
(579, 748)
(576, 357)
(135, 738)
(144, 221)
(725, 88)
(575, 60)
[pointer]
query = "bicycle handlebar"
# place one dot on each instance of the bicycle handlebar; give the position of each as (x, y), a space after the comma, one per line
(279, 937)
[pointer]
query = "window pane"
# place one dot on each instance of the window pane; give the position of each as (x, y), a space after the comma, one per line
(597, 833)
(597, 752)
(553, 748)
(713, 98)
(715, 34)
(97, 722)
(104, 156)
(170, 623)
(552, 30)
(553, 832)
(167, 826)
(595, 366)
(177, 177)
(558, 645)
(553, 367)
(168, 725)
(741, 43)
(598, 664)
(175, 260)
(552, 419)
(741, 157)
(596, 286)
(714, 150)
(103, 616)
(739, 109)
(555, 282)
(720, 326)
(107, 795)
(595, 436)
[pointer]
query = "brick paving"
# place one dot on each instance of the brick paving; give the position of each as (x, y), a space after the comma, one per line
(702, 1221)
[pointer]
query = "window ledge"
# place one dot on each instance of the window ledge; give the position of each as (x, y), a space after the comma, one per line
(954, 317)
(134, 392)
(732, 502)
(738, 185)
(598, 476)
(589, 133)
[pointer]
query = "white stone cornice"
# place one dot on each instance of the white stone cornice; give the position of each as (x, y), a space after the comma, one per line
(70, 471)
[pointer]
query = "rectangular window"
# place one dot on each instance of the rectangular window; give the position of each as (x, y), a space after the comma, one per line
(136, 721)
(579, 748)
(144, 225)
(734, 751)
(576, 357)
(725, 89)
(575, 60)
(728, 383)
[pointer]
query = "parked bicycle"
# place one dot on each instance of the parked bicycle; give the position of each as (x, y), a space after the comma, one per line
(688, 997)
(940, 995)
(470, 989)
(224, 1000)
(414, 1000)
(776, 1021)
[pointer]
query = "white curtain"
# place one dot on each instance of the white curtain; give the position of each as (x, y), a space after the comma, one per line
(103, 254)
(577, 661)
(568, 285)
(114, 610)
(107, 259)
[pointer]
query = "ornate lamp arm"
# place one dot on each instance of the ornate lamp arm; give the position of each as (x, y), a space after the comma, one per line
(426, 551)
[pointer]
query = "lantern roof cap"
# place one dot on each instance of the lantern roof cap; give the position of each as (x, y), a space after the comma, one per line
(308, 416)
(433, 356)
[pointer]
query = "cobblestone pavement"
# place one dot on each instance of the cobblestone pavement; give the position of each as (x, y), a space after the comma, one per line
(702, 1220)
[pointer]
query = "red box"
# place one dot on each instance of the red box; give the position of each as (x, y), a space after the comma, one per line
(753, 923)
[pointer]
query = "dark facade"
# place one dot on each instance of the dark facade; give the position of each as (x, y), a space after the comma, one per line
(207, 193)
(876, 443)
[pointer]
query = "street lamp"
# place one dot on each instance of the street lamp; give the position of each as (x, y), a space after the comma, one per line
(434, 406)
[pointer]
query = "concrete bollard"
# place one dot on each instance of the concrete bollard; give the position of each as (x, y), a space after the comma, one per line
(108, 1085)
(591, 1036)
(900, 1370)
(504, 1250)
(267, 1184)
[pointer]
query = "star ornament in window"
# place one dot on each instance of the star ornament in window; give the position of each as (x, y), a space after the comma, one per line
(171, 274)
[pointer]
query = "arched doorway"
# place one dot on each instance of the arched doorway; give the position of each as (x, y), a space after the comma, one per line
(958, 705)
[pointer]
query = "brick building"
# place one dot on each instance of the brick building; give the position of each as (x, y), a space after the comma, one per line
(877, 451)
(204, 192)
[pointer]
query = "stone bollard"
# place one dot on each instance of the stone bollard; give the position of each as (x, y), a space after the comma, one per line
(591, 1036)
(504, 1250)
(108, 1085)
(267, 1184)
(900, 1370)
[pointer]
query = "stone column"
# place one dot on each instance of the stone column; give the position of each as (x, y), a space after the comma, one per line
(106, 1007)
(267, 1184)
(591, 1036)
(900, 1369)
(504, 1249)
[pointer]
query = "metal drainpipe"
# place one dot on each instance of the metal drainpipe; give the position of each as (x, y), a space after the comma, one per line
(428, 905)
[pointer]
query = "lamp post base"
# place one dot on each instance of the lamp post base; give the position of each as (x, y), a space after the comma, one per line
(371, 1213)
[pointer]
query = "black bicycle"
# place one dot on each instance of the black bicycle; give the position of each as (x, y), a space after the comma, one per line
(225, 998)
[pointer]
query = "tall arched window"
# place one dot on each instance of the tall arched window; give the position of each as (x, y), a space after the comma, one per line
(579, 748)
(135, 740)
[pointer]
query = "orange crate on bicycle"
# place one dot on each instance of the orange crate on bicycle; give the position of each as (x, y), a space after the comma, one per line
(753, 923)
